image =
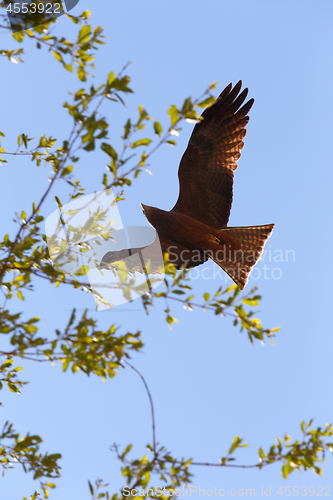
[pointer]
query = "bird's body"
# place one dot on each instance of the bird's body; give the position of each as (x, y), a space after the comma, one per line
(196, 228)
(188, 232)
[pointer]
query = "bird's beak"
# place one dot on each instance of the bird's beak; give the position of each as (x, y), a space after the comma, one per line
(143, 206)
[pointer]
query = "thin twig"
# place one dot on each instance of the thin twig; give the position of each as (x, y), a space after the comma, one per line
(208, 464)
(150, 400)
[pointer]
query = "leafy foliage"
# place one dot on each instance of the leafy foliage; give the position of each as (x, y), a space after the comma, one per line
(26, 452)
(300, 455)
(172, 473)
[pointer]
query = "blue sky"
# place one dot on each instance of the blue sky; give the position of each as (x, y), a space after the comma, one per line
(208, 382)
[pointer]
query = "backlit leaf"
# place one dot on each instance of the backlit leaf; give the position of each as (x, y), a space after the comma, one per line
(173, 113)
(108, 149)
(141, 142)
(84, 34)
(158, 128)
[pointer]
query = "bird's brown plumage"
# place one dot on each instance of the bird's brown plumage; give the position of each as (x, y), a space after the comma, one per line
(196, 227)
(206, 171)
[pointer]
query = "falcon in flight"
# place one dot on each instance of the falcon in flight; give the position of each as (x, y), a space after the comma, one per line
(196, 228)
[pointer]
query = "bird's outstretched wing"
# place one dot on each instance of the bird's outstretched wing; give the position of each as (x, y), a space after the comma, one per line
(207, 167)
(136, 258)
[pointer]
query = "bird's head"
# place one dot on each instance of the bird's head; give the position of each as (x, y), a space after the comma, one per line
(152, 215)
(146, 211)
(144, 208)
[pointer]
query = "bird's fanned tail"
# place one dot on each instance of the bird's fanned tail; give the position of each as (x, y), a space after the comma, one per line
(238, 263)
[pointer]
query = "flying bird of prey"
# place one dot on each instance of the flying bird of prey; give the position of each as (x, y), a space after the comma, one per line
(196, 227)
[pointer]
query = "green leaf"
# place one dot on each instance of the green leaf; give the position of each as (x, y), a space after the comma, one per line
(19, 294)
(84, 34)
(158, 128)
(127, 450)
(57, 56)
(82, 271)
(141, 142)
(127, 129)
(6, 364)
(66, 170)
(58, 202)
(187, 106)
(69, 67)
(91, 488)
(206, 296)
(111, 77)
(50, 485)
(65, 364)
(250, 302)
(23, 215)
(13, 387)
(173, 113)
(240, 311)
(109, 150)
(122, 271)
(18, 36)
(171, 142)
(206, 102)
(81, 74)
(235, 444)
(285, 471)
(122, 85)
